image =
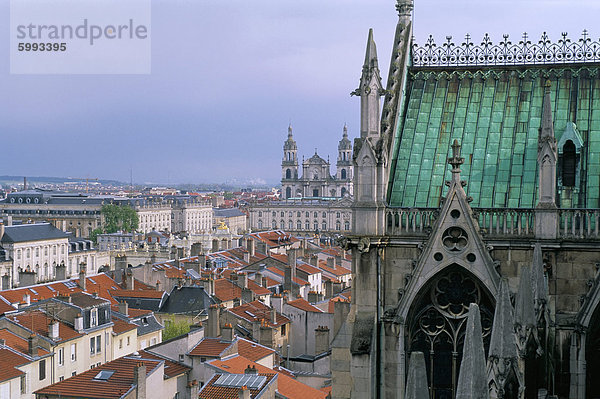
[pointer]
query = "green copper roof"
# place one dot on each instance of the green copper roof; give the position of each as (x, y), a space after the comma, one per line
(495, 113)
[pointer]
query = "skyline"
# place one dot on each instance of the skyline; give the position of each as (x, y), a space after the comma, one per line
(224, 72)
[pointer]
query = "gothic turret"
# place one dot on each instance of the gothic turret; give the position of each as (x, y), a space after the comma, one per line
(370, 91)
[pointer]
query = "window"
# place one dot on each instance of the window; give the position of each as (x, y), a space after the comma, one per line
(288, 174)
(344, 171)
(259, 214)
(569, 164)
(61, 356)
(121, 343)
(202, 359)
(73, 352)
(98, 344)
(282, 214)
(128, 340)
(152, 341)
(74, 373)
(316, 214)
(274, 214)
(307, 225)
(337, 215)
(299, 225)
(307, 214)
(37, 252)
(92, 345)
(62, 377)
(324, 226)
(338, 225)
(260, 224)
(93, 317)
(288, 192)
(324, 214)
(274, 224)
(42, 373)
(315, 192)
(24, 384)
(315, 225)
(346, 225)
(283, 329)
(181, 357)
(290, 225)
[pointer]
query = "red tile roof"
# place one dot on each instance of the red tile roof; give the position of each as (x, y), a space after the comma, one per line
(226, 290)
(172, 369)
(286, 386)
(117, 385)
(305, 267)
(331, 306)
(257, 311)
(122, 326)
(5, 306)
(252, 350)
(257, 289)
(303, 304)
(274, 238)
(210, 347)
(18, 343)
(10, 360)
(38, 322)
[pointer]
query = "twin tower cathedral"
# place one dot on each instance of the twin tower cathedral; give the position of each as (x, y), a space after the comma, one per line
(316, 180)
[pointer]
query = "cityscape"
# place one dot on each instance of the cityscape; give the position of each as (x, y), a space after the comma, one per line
(423, 226)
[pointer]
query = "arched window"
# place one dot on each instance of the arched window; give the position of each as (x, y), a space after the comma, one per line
(259, 214)
(298, 214)
(288, 192)
(307, 225)
(346, 225)
(337, 215)
(338, 225)
(343, 191)
(437, 325)
(307, 214)
(315, 225)
(274, 224)
(290, 225)
(282, 213)
(569, 164)
(260, 224)
(324, 214)
(299, 225)
(274, 213)
(324, 226)
(343, 173)
(288, 174)
(282, 224)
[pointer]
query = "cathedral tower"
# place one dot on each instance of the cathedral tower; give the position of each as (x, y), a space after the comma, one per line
(289, 166)
(344, 162)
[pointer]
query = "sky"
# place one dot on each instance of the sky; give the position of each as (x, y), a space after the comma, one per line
(227, 78)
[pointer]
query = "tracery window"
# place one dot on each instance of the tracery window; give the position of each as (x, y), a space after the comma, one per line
(437, 326)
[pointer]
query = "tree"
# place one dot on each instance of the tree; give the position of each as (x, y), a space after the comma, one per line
(174, 328)
(119, 218)
(94, 235)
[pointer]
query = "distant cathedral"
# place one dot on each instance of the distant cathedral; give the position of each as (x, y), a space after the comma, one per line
(316, 180)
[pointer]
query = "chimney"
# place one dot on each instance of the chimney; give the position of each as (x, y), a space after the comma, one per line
(338, 260)
(61, 272)
(124, 308)
(292, 261)
(321, 339)
(201, 262)
(264, 282)
(215, 246)
(53, 330)
(27, 299)
(32, 344)
(78, 323)
(251, 370)
(244, 393)
(83, 266)
(196, 249)
(211, 284)
(273, 316)
(227, 332)
(24, 183)
(213, 321)
(313, 260)
(277, 302)
(192, 388)
(258, 278)
(247, 257)
(130, 280)
(251, 246)
(331, 262)
(139, 375)
(242, 280)
(328, 289)
(313, 297)
(247, 295)
(82, 279)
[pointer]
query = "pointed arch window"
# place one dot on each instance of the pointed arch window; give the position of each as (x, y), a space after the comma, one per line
(437, 328)
(288, 192)
(569, 167)
(288, 174)
(343, 173)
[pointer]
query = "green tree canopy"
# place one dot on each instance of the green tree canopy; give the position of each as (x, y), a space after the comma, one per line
(119, 218)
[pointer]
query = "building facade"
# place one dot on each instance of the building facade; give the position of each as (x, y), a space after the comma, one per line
(302, 215)
(477, 183)
(316, 179)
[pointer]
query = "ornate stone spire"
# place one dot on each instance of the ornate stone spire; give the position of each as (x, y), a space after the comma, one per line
(547, 129)
(538, 279)
(416, 383)
(525, 320)
(456, 160)
(472, 381)
(547, 155)
(370, 90)
(503, 357)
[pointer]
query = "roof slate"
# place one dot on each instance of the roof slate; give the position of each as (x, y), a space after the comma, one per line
(32, 232)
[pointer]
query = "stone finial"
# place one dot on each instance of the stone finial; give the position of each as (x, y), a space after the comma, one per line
(371, 53)
(472, 381)
(538, 280)
(290, 130)
(416, 383)
(404, 7)
(456, 160)
(524, 302)
(502, 363)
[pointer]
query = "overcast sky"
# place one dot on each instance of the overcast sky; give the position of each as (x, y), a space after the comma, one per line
(227, 78)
